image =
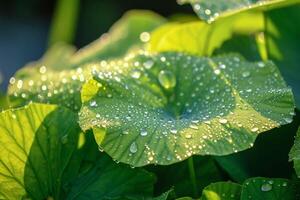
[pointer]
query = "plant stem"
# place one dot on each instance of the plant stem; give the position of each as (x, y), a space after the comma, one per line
(266, 35)
(193, 176)
(64, 21)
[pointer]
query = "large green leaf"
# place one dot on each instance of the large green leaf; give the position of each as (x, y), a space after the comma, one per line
(283, 44)
(164, 108)
(58, 76)
(36, 151)
(40, 157)
(295, 154)
(268, 189)
(210, 10)
(199, 38)
(222, 190)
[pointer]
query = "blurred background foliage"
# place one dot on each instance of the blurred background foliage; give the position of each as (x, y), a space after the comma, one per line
(25, 26)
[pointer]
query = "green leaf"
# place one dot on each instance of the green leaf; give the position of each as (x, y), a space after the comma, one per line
(108, 180)
(283, 45)
(130, 32)
(215, 9)
(295, 154)
(222, 190)
(199, 38)
(268, 189)
(57, 77)
(41, 156)
(164, 108)
(36, 151)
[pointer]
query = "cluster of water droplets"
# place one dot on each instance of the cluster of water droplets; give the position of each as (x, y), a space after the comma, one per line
(189, 105)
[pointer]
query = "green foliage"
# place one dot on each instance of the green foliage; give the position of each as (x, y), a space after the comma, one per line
(254, 188)
(157, 107)
(295, 154)
(190, 106)
(214, 9)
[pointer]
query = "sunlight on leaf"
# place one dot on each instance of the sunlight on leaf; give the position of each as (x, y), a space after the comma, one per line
(222, 191)
(202, 39)
(40, 158)
(57, 77)
(210, 10)
(36, 149)
(163, 109)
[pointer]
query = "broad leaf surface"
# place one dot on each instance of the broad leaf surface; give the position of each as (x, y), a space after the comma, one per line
(222, 190)
(58, 76)
(163, 109)
(199, 38)
(295, 154)
(283, 44)
(36, 150)
(40, 159)
(214, 9)
(268, 189)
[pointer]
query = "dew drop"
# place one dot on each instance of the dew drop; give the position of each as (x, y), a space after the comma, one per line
(266, 187)
(288, 120)
(167, 79)
(64, 139)
(255, 129)
(136, 74)
(223, 121)
(93, 103)
(145, 37)
(148, 64)
(246, 74)
(144, 132)
(133, 148)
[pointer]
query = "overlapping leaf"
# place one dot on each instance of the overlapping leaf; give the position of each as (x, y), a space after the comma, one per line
(214, 9)
(40, 158)
(203, 39)
(164, 108)
(57, 77)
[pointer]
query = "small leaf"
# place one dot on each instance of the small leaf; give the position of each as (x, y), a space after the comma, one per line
(268, 189)
(164, 108)
(222, 190)
(295, 153)
(40, 159)
(215, 9)
(202, 39)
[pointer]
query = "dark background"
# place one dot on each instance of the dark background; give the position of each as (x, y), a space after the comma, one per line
(24, 26)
